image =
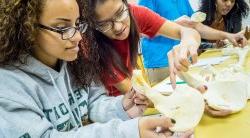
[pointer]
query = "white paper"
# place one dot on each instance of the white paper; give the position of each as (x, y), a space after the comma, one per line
(210, 61)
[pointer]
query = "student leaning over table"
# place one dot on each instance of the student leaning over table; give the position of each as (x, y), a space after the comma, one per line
(154, 50)
(41, 96)
(118, 33)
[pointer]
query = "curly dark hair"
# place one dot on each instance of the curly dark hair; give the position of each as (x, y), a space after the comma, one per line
(109, 58)
(17, 19)
(233, 20)
(18, 33)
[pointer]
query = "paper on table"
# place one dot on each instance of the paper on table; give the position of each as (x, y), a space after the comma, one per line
(165, 87)
(210, 61)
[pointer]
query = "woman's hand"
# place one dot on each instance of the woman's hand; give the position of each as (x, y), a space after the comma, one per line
(135, 103)
(216, 113)
(209, 110)
(148, 127)
(179, 60)
(237, 39)
(158, 127)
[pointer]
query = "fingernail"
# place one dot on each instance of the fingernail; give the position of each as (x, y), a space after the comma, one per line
(205, 87)
(173, 121)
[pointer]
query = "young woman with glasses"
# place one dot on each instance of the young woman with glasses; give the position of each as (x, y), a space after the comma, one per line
(43, 96)
(118, 26)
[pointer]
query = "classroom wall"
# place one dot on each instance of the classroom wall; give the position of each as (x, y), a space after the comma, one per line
(246, 21)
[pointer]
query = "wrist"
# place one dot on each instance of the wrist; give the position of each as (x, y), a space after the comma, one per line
(225, 35)
(126, 104)
(130, 113)
(193, 44)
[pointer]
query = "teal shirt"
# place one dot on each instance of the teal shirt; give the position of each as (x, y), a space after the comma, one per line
(154, 50)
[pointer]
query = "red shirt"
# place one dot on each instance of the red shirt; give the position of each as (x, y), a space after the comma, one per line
(148, 24)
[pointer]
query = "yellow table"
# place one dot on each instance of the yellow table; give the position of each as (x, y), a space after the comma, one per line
(233, 126)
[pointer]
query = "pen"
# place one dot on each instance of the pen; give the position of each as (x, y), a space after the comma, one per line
(178, 82)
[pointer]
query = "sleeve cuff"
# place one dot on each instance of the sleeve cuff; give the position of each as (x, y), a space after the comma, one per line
(129, 126)
(122, 114)
(157, 28)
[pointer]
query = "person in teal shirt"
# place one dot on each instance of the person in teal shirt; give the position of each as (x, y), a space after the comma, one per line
(154, 50)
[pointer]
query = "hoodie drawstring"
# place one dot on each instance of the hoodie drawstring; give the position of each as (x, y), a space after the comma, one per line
(74, 98)
(66, 103)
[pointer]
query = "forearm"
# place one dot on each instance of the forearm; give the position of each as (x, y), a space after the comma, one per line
(190, 37)
(170, 29)
(103, 108)
(113, 128)
(209, 33)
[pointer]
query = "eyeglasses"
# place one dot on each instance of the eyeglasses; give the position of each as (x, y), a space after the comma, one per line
(105, 26)
(67, 33)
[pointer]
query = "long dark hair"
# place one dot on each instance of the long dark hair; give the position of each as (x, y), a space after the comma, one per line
(233, 20)
(108, 56)
(86, 68)
(18, 34)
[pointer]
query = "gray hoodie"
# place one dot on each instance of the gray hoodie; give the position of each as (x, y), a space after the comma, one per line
(37, 101)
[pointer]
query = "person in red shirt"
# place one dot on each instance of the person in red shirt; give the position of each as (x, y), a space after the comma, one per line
(118, 26)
